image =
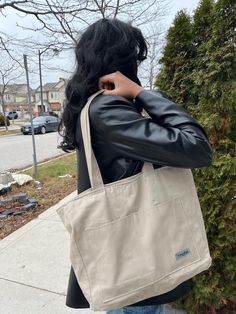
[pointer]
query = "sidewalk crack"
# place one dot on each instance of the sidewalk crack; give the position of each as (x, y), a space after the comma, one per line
(30, 286)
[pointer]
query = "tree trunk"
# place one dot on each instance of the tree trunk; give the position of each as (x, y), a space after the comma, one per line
(3, 110)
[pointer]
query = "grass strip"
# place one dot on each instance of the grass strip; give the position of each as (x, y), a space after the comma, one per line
(10, 132)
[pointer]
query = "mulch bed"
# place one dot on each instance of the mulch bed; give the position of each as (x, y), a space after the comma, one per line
(46, 197)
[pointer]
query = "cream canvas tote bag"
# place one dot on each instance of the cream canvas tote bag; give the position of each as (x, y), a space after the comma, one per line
(135, 238)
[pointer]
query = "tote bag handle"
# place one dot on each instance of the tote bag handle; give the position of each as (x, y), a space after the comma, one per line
(95, 176)
(93, 169)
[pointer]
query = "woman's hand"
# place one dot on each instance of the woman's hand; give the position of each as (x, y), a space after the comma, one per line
(117, 84)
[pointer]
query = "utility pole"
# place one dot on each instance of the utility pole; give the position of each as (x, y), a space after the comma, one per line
(41, 84)
(31, 116)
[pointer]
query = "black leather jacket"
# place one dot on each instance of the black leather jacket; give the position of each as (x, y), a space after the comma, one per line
(122, 138)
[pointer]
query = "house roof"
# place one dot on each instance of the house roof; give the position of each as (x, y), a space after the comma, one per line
(52, 86)
(49, 86)
(14, 88)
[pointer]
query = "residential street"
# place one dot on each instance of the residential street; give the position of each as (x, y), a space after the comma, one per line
(16, 151)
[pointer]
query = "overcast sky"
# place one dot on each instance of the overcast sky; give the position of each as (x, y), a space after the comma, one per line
(8, 25)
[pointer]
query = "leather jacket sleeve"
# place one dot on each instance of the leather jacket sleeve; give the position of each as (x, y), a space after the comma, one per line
(168, 137)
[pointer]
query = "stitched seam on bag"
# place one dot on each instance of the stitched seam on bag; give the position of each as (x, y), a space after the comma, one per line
(121, 182)
(85, 272)
(153, 282)
(106, 186)
(131, 214)
(194, 243)
(117, 183)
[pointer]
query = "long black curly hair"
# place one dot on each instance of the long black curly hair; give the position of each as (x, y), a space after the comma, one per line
(106, 46)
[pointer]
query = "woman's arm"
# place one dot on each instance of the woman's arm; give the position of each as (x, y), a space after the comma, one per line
(171, 137)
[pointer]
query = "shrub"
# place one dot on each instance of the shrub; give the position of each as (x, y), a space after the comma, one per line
(2, 120)
(209, 91)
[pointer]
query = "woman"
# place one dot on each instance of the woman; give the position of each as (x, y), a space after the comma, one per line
(108, 54)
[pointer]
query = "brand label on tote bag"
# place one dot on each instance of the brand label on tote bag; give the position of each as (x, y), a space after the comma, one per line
(182, 254)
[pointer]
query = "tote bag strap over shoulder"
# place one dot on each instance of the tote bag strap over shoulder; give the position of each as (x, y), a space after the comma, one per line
(93, 169)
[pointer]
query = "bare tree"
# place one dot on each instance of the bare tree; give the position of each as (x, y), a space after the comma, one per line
(10, 71)
(60, 22)
(149, 68)
(9, 45)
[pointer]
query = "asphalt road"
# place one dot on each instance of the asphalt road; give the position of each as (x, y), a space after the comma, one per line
(16, 151)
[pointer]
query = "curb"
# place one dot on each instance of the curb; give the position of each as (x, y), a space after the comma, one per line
(43, 162)
(8, 135)
(28, 167)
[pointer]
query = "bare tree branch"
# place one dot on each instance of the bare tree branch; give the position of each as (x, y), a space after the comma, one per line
(9, 72)
(4, 46)
(44, 10)
(60, 22)
(60, 17)
(117, 8)
(100, 7)
(12, 3)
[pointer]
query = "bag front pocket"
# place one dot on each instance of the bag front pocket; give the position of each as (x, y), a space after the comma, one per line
(135, 251)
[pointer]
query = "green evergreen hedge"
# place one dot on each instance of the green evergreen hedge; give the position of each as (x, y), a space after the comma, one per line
(198, 71)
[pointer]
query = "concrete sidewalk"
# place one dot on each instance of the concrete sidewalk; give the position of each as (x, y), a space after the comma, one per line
(35, 266)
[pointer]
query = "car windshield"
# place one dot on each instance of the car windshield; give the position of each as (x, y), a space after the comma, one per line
(39, 120)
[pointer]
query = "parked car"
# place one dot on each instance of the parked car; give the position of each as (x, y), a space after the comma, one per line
(41, 125)
(11, 115)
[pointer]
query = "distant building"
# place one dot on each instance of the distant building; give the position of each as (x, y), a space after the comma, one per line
(53, 97)
(15, 97)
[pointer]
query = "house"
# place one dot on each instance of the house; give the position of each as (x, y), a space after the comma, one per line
(15, 97)
(53, 97)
